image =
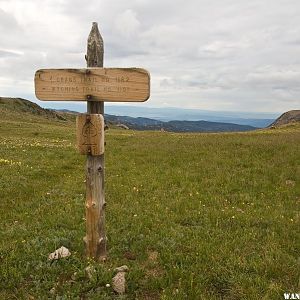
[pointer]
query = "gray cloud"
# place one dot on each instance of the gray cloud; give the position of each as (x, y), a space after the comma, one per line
(8, 21)
(223, 54)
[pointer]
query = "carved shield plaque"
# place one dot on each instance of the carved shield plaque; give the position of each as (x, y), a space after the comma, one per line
(90, 134)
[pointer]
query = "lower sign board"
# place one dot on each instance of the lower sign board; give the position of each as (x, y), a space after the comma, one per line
(94, 84)
(90, 134)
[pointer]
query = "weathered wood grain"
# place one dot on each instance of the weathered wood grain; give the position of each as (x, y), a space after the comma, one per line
(90, 134)
(95, 239)
(97, 84)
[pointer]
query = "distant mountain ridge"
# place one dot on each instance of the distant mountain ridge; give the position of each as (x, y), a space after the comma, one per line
(165, 114)
(259, 120)
(175, 126)
(18, 105)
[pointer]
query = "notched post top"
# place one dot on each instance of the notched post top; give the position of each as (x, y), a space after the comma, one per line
(95, 49)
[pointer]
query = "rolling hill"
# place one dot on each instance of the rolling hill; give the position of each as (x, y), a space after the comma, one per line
(10, 106)
(289, 117)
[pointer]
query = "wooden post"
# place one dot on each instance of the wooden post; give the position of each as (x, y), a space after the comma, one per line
(95, 238)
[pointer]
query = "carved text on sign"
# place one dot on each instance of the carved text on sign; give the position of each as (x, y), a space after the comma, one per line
(97, 84)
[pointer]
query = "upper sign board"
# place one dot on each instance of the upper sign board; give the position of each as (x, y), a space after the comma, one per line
(94, 84)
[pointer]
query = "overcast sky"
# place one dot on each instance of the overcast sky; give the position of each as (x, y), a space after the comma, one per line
(235, 55)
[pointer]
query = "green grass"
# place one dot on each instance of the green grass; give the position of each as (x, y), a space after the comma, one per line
(205, 216)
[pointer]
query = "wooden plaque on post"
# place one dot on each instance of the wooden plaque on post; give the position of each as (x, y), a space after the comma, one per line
(90, 134)
(96, 84)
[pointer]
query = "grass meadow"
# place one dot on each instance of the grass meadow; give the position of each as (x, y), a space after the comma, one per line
(193, 216)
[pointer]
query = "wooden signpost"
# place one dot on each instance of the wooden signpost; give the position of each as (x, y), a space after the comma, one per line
(94, 85)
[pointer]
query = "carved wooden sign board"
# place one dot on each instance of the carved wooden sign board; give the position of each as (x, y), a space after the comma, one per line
(95, 84)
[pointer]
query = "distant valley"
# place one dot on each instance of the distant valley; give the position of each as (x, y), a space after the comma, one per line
(259, 120)
(142, 123)
(165, 114)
